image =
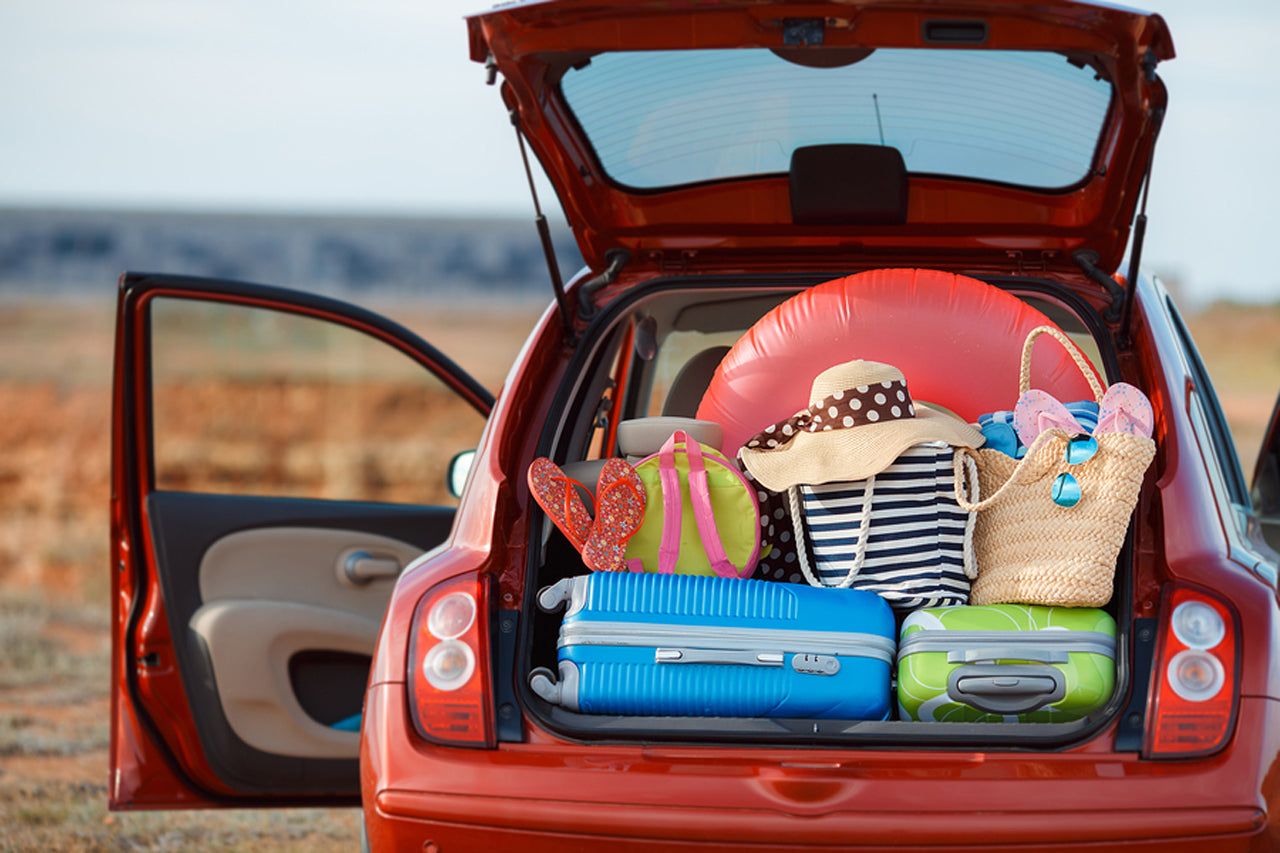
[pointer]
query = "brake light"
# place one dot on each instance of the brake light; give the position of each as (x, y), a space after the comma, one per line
(449, 690)
(1193, 702)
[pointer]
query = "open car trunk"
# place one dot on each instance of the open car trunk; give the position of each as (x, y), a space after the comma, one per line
(638, 360)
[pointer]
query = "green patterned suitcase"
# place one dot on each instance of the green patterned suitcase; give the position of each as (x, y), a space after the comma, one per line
(1005, 663)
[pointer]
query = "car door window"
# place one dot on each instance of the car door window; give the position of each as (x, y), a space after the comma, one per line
(677, 358)
(252, 401)
(1214, 437)
(1217, 435)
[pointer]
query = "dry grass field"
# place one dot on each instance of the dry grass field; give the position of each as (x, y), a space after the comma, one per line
(55, 370)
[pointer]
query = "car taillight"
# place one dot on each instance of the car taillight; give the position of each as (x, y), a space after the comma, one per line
(449, 691)
(1193, 702)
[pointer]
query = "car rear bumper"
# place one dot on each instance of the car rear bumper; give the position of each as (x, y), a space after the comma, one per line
(560, 825)
(557, 796)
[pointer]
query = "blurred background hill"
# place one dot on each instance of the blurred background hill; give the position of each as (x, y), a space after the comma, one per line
(53, 251)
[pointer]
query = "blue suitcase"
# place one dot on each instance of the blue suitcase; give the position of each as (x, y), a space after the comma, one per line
(686, 645)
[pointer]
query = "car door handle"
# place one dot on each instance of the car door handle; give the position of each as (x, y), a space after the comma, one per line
(361, 567)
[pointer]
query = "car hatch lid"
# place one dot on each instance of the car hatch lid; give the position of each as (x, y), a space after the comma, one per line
(745, 131)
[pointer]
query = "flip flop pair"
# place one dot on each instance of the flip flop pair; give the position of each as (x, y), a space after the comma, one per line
(1123, 409)
(620, 498)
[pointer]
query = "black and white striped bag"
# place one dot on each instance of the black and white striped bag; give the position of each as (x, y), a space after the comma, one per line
(900, 533)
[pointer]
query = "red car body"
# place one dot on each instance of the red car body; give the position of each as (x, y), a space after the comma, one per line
(487, 766)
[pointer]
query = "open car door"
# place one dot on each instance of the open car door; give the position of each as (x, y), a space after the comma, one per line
(278, 458)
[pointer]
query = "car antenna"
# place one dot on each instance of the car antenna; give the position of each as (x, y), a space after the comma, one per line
(876, 103)
(544, 235)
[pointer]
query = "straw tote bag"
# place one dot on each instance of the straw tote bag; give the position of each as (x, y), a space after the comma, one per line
(1031, 550)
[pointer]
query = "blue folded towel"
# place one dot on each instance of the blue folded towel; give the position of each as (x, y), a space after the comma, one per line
(998, 427)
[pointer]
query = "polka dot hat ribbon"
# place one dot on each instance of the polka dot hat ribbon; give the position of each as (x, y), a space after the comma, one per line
(860, 418)
(858, 406)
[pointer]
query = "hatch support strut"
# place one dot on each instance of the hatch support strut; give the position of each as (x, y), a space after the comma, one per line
(548, 248)
(1135, 256)
(1140, 224)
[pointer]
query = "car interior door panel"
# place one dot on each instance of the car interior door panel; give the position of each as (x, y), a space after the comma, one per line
(252, 585)
(287, 590)
(256, 692)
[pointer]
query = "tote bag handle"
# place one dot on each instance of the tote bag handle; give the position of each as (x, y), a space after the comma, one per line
(1032, 466)
(1024, 375)
(961, 463)
(860, 550)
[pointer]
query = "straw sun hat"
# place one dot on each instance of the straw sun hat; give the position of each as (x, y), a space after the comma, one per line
(860, 419)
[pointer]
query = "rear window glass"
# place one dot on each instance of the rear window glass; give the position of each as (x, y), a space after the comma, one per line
(666, 118)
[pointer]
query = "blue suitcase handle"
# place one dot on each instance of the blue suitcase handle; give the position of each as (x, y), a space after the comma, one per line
(725, 656)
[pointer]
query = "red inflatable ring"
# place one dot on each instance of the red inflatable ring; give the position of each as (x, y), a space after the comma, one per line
(957, 340)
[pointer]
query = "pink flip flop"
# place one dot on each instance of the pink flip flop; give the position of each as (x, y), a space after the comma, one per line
(620, 500)
(1125, 409)
(558, 495)
(1037, 411)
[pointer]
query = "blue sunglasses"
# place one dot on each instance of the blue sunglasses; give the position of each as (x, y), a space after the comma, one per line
(1066, 488)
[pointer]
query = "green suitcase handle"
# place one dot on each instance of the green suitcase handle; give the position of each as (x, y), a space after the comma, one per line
(1006, 689)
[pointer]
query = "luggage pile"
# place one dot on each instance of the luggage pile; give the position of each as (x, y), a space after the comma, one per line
(949, 572)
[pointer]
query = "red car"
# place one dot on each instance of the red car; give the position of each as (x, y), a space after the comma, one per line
(715, 160)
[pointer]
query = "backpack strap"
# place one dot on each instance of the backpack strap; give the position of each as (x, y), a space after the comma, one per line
(700, 501)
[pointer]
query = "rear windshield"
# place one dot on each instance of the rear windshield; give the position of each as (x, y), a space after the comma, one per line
(666, 118)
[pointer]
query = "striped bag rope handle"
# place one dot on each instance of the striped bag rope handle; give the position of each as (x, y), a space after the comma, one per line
(864, 533)
(970, 468)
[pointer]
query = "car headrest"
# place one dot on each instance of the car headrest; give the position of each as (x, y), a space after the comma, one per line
(691, 382)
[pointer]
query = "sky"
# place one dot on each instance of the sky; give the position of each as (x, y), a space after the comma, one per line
(374, 107)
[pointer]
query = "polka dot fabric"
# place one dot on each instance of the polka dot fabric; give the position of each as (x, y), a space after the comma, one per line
(778, 560)
(860, 406)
